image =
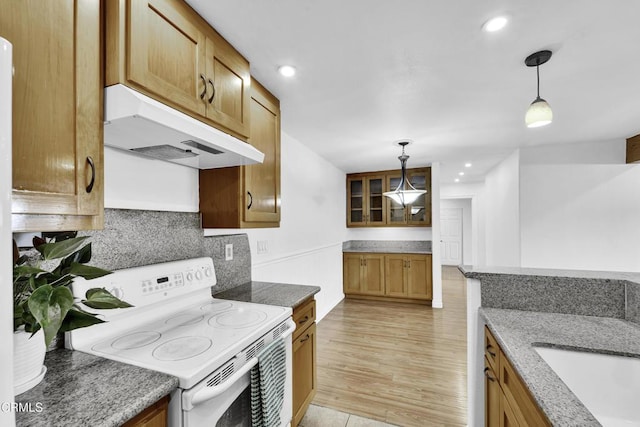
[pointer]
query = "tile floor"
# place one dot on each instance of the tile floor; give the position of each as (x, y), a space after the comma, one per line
(319, 416)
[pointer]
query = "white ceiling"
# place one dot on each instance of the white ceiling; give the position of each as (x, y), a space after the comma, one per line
(371, 72)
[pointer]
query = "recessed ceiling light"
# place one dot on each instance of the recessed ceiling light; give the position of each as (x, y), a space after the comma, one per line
(287, 70)
(456, 180)
(495, 24)
(467, 165)
(460, 173)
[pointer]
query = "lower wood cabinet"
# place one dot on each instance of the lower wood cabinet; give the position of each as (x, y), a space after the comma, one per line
(508, 401)
(405, 277)
(304, 359)
(154, 416)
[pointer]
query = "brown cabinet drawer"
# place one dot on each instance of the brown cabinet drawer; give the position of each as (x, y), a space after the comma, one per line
(491, 350)
(304, 316)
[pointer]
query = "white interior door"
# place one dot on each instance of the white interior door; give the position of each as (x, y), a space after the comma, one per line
(451, 236)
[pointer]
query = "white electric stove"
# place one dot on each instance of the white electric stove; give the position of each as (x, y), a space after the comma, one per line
(176, 327)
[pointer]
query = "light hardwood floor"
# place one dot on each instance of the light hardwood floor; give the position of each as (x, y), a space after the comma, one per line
(403, 364)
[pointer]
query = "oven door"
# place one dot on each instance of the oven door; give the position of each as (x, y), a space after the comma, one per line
(229, 403)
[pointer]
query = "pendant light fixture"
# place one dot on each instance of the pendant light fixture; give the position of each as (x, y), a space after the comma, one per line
(539, 112)
(406, 193)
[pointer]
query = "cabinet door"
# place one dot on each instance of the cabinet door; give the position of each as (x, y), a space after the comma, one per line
(419, 212)
(375, 212)
(419, 276)
(396, 213)
(154, 416)
(356, 200)
(228, 100)
(304, 372)
(373, 275)
(262, 181)
(352, 273)
(57, 105)
(166, 53)
(395, 274)
(492, 393)
(507, 416)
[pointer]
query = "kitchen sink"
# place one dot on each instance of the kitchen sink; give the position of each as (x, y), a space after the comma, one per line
(608, 385)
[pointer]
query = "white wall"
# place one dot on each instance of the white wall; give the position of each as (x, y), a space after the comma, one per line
(595, 152)
(305, 249)
(502, 213)
(581, 217)
(436, 257)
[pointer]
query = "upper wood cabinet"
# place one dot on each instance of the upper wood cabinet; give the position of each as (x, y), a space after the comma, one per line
(248, 196)
(57, 114)
(417, 213)
(365, 204)
(367, 207)
(166, 50)
(633, 149)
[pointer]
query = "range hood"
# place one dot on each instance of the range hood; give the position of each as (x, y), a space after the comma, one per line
(143, 126)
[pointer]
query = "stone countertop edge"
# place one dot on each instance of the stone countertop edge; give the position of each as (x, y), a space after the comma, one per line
(477, 272)
(82, 389)
(269, 293)
(421, 247)
(518, 332)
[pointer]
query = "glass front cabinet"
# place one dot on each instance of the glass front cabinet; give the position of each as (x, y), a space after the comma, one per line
(365, 204)
(367, 207)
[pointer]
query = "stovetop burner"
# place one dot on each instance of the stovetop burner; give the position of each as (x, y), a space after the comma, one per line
(182, 348)
(238, 318)
(216, 306)
(184, 319)
(136, 340)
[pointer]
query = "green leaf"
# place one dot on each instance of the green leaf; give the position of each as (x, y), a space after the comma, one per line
(61, 249)
(100, 298)
(82, 256)
(78, 319)
(87, 271)
(25, 271)
(49, 306)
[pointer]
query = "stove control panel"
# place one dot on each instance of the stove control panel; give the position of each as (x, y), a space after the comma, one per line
(146, 285)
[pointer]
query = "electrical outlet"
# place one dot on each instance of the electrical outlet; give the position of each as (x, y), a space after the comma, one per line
(263, 247)
(228, 252)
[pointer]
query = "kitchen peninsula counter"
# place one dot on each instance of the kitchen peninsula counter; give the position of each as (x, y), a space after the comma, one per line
(519, 332)
(80, 389)
(269, 293)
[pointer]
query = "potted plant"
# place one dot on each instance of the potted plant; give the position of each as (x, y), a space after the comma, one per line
(43, 304)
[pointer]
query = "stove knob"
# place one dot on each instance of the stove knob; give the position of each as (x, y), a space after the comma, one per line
(199, 275)
(189, 277)
(207, 272)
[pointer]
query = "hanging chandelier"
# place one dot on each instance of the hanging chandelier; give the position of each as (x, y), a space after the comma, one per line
(406, 193)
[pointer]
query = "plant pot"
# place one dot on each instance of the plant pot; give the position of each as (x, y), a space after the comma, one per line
(28, 360)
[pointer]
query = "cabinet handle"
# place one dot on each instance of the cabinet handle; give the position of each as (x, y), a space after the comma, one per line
(303, 321)
(489, 377)
(213, 94)
(489, 347)
(204, 91)
(93, 174)
(250, 200)
(409, 263)
(306, 338)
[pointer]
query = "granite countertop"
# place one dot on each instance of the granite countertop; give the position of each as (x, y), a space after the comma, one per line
(84, 390)
(476, 272)
(282, 294)
(388, 246)
(519, 331)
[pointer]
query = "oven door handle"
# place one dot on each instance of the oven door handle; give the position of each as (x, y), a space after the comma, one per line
(207, 393)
